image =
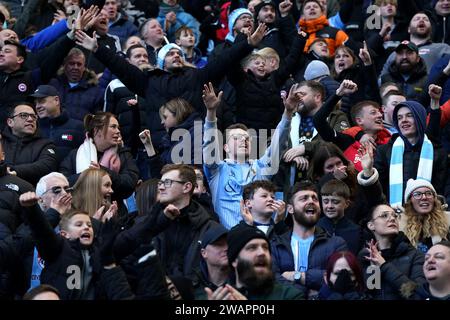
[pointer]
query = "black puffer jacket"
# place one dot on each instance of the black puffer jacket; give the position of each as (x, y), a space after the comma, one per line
(178, 244)
(158, 86)
(32, 157)
(403, 265)
(11, 187)
(366, 79)
(132, 118)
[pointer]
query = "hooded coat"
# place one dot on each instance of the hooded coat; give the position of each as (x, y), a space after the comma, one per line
(411, 155)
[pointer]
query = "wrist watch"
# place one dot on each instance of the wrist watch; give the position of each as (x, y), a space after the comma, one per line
(297, 277)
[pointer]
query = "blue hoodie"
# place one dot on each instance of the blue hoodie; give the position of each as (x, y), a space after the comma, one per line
(419, 113)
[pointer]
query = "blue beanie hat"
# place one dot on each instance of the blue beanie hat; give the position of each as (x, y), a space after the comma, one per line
(164, 51)
(232, 21)
(419, 113)
(315, 69)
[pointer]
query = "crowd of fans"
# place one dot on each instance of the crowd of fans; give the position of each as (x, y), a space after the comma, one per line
(224, 150)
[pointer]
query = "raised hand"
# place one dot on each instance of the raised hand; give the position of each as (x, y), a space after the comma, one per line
(365, 153)
(28, 199)
(210, 99)
(89, 17)
(375, 256)
(435, 93)
(245, 213)
(368, 138)
(279, 206)
(171, 17)
(171, 212)
(340, 173)
(146, 139)
(284, 8)
(111, 213)
(364, 55)
(255, 38)
(62, 204)
(292, 100)
(347, 87)
(87, 42)
(99, 213)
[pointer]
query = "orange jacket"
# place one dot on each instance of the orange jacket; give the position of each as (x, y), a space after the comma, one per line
(320, 28)
(383, 136)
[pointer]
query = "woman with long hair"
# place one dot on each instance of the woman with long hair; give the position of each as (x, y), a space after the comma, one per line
(92, 192)
(424, 221)
(102, 149)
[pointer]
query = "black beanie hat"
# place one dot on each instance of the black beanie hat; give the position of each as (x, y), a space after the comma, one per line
(239, 236)
(263, 3)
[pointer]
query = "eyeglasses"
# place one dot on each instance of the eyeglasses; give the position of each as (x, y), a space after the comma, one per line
(240, 137)
(386, 215)
(245, 17)
(418, 195)
(58, 190)
(25, 116)
(168, 183)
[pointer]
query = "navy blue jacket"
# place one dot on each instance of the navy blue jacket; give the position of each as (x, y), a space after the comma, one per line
(168, 145)
(344, 228)
(322, 247)
(123, 28)
(84, 98)
(66, 133)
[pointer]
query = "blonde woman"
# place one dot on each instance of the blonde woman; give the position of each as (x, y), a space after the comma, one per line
(424, 221)
(92, 194)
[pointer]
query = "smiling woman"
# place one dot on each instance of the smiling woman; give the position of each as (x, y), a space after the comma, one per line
(92, 191)
(425, 222)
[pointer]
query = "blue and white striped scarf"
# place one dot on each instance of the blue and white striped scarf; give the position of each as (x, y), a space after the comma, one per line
(424, 171)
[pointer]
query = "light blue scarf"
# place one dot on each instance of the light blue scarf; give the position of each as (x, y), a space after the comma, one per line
(424, 171)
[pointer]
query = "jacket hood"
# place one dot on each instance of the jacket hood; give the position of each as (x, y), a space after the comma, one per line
(89, 76)
(419, 114)
(196, 213)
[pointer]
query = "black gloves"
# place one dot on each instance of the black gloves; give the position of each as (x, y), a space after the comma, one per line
(343, 283)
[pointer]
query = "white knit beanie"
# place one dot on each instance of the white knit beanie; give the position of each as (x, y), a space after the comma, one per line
(164, 51)
(412, 185)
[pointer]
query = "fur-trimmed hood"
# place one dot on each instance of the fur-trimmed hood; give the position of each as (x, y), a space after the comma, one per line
(89, 76)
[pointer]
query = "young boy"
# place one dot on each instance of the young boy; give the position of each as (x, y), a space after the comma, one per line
(259, 205)
(74, 264)
(185, 38)
(335, 199)
(258, 102)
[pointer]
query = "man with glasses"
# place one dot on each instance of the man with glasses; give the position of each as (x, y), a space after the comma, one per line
(178, 244)
(228, 177)
(27, 155)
